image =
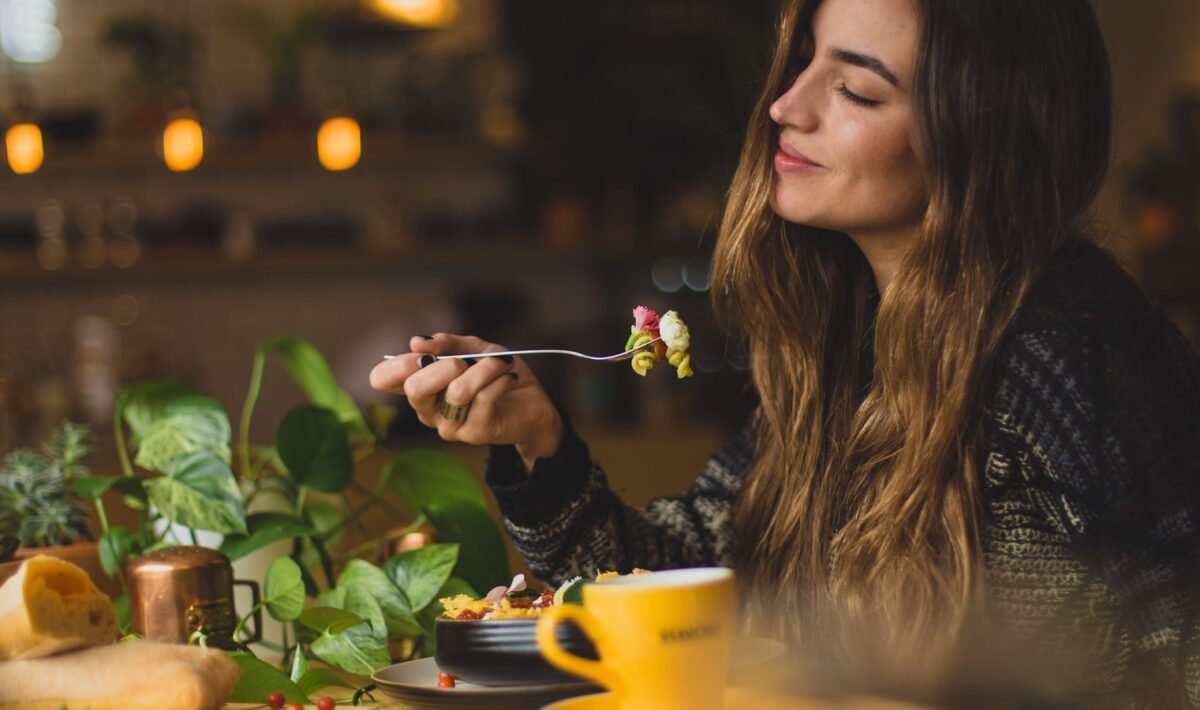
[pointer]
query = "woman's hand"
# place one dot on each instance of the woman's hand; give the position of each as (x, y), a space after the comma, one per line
(503, 401)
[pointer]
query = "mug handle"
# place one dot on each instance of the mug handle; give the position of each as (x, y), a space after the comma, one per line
(257, 602)
(599, 671)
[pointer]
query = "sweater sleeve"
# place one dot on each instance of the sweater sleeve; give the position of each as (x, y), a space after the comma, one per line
(1111, 411)
(565, 519)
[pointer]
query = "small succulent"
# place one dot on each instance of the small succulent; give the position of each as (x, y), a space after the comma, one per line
(36, 495)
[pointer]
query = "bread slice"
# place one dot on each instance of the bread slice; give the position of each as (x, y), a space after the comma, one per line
(50, 606)
(132, 675)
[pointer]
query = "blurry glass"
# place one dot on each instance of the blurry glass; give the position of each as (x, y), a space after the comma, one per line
(24, 145)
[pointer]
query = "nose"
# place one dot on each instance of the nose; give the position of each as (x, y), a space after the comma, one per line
(796, 107)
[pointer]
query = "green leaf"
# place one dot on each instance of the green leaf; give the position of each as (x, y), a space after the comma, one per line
(335, 598)
(319, 678)
(265, 528)
(574, 593)
(299, 667)
(421, 573)
(143, 403)
(260, 679)
(198, 425)
(397, 612)
(115, 546)
(199, 491)
(314, 448)
(121, 609)
(482, 558)
(91, 487)
(356, 649)
(283, 590)
(324, 619)
(325, 516)
(423, 476)
(359, 601)
(311, 372)
(453, 586)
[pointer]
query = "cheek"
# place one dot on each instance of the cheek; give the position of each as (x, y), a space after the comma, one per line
(881, 161)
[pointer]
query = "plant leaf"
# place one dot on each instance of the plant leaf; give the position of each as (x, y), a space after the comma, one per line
(314, 448)
(428, 616)
(422, 476)
(319, 678)
(143, 403)
(283, 590)
(324, 619)
(299, 667)
(184, 424)
(482, 557)
(260, 679)
(356, 649)
(92, 487)
(421, 573)
(199, 491)
(397, 612)
(311, 372)
(115, 545)
(264, 529)
(359, 601)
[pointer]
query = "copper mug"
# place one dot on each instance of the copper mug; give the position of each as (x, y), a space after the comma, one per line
(176, 591)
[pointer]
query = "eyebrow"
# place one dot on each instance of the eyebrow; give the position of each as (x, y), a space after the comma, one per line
(865, 61)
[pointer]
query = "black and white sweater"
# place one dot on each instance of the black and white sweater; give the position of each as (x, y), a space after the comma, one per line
(1091, 533)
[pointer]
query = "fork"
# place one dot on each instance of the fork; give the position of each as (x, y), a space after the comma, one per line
(618, 357)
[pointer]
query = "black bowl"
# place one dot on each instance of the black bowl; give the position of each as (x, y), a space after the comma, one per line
(504, 652)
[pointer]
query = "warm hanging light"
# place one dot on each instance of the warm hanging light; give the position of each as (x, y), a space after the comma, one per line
(23, 143)
(183, 144)
(421, 13)
(339, 143)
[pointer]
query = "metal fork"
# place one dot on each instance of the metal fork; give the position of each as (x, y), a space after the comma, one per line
(618, 357)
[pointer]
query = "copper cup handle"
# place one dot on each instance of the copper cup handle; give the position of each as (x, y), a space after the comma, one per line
(257, 605)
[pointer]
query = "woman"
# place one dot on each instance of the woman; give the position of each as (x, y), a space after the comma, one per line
(971, 421)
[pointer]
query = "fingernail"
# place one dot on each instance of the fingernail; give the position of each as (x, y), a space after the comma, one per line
(426, 360)
(425, 337)
(506, 359)
(512, 375)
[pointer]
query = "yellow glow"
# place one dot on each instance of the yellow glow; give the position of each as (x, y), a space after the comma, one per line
(24, 144)
(183, 144)
(339, 143)
(422, 13)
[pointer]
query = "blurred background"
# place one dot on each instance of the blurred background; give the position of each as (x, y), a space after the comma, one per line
(187, 178)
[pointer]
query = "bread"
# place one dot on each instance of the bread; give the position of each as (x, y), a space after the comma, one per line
(50, 606)
(132, 675)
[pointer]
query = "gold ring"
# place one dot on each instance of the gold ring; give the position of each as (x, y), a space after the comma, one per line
(454, 412)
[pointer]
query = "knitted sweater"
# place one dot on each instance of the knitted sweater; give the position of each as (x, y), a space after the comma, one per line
(1091, 473)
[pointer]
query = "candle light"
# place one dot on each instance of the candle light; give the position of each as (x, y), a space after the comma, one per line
(24, 146)
(183, 144)
(339, 143)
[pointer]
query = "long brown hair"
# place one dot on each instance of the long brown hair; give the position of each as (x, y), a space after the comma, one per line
(864, 499)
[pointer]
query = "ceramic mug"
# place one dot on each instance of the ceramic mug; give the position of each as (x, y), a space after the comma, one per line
(664, 638)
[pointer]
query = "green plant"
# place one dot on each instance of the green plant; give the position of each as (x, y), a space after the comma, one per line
(184, 472)
(37, 500)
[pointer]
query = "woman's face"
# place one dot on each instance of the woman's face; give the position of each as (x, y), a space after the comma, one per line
(845, 160)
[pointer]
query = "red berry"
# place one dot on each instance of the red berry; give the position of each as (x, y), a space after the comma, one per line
(445, 680)
(275, 700)
(325, 703)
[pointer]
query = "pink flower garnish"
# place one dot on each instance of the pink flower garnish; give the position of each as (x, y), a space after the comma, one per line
(498, 593)
(645, 318)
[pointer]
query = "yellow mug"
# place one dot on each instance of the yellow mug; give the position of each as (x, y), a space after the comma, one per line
(664, 638)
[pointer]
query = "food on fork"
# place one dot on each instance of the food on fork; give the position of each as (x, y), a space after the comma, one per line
(50, 606)
(673, 346)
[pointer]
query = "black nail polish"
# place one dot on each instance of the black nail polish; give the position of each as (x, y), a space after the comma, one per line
(426, 360)
(471, 362)
(506, 359)
(425, 337)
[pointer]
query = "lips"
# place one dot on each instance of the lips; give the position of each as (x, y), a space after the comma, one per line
(789, 161)
(797, 156)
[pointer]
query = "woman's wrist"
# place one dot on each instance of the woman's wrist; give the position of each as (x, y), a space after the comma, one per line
(546, 442)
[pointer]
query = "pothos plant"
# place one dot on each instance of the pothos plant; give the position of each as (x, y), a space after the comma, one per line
(185, 472)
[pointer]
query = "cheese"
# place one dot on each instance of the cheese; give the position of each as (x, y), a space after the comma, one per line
(50, 606)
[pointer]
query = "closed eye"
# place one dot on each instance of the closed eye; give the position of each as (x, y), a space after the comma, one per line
(855, 98)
